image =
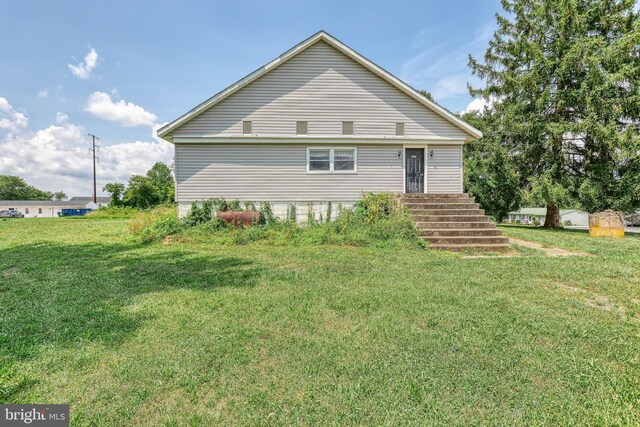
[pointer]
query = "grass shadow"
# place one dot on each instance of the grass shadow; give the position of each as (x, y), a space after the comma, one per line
(71, 295)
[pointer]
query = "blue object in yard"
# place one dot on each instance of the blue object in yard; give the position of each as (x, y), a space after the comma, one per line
(74, 212)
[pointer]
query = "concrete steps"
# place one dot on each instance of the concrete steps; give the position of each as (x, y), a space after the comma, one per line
(450, 218)
(452, 232)
(446, 212)
(443, 225)
(441, 205)
(453, 222)
(465, 247)
(459, 240)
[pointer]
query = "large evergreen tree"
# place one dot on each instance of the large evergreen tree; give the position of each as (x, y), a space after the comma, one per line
(564, 79)
(489, 174)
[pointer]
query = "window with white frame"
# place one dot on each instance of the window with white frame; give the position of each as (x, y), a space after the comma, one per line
(329, 160)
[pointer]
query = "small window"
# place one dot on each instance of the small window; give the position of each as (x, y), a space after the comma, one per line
(347, 128)
(344, 160)
(320, 160)
(301, 128)
(26, 210)
(331, 160)
(399, 129)
(246, 127)
(39, 210)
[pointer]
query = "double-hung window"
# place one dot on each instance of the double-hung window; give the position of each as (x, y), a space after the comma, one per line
(330, 160)
(319, 160)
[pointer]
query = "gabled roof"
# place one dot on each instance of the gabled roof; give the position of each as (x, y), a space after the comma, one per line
(165, 131)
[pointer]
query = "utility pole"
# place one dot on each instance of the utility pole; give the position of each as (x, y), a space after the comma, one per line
(92, 151)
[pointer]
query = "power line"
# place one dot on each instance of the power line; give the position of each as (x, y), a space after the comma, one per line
(92, 151)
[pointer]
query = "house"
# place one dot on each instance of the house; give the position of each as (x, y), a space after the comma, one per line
(320, 123)
(43, 208)
(573, 217)
(100, 201)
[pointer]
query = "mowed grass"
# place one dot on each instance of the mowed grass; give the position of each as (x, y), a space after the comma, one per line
(190, 333)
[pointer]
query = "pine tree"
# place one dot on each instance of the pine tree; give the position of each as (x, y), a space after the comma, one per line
(564, 79)
(489, 174)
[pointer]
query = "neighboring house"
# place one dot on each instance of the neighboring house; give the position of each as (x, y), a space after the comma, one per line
(529, 215)
(44, 208)
(321, 123)
(633, 219)
(100, 201)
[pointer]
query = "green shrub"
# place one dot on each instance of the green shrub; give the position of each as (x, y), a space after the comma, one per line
(147, 219)
(311, 216)
(376, 206)
(199, 213)
(375, 221)
(234, 206)
(291, 213)
(160, 228)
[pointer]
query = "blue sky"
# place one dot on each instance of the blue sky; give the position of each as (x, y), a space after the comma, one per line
(119, 69)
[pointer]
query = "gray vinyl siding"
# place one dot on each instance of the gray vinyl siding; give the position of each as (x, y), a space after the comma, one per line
(323, 87)
(279, 173)
(444, 169)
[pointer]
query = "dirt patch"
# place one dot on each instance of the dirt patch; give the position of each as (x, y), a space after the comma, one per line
(593, 300)
(571, 288)
(551, 251)
(7, 271)
(601, 302)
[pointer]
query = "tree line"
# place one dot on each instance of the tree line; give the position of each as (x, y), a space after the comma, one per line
(16, 188)
(157, 187)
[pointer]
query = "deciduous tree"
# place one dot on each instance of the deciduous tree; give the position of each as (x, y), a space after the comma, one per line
(116, 191)
(16, 188)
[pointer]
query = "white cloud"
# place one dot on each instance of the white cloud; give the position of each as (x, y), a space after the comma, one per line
(451, 86)
(43, 93)
(83, 70)
(56, 157)
(11, 121)
(478, 105)
(442, 68)
(128, 114)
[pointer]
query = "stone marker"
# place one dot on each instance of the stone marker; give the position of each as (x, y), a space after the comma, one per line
(606, 224)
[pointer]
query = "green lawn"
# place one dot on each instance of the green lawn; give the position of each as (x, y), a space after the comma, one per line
(194, 333)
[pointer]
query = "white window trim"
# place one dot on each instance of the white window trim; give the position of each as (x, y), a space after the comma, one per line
(331, 160)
